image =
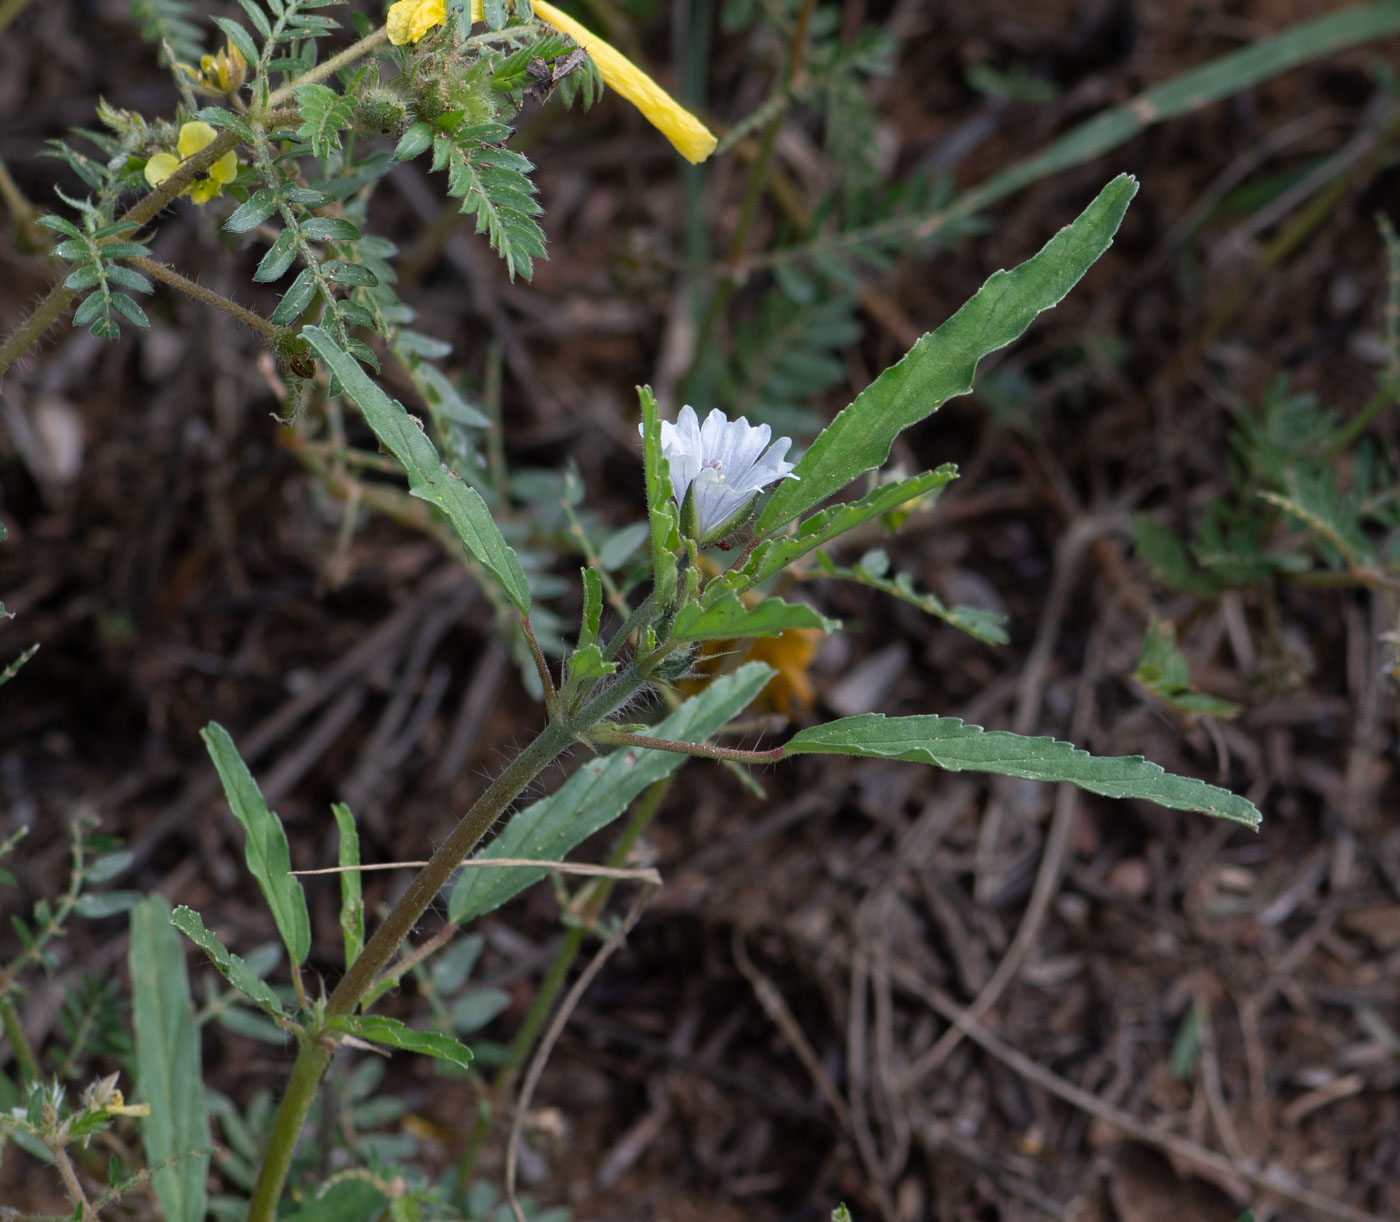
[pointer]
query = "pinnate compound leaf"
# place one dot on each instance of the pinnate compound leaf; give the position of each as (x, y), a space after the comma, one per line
(169, 1073)
(265, 843)
(428, 479)
(231, 967)
(397, 1035)
(943, 363)
(728, 619)
(596, 795)
(947, 742)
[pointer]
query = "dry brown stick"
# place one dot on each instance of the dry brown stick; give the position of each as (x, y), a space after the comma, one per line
(1182, 1147)
(1070, 554)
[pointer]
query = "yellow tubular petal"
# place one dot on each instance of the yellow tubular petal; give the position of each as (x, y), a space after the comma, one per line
(195, 136)
(160, 167)
(692, 139)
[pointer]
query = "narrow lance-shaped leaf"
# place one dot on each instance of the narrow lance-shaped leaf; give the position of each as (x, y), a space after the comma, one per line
(949, 743)
(428, 479)
(661, 509)
(943, 363)
(352, 904)
(397, 1035)
(595, 795)
(772, 557)
(169, 1073)
(265, 843)
(233, 969)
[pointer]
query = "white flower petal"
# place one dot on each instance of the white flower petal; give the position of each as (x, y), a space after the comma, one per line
(722, 463)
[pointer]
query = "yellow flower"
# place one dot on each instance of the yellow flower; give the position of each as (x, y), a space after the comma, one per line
(219, 75)
(193, 137)
(410, 20)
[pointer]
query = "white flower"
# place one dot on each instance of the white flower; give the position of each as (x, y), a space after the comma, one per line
(719, 468)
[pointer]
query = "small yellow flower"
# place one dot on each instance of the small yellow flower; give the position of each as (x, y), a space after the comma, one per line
(193, 137)
(220, 75)
(410, 20)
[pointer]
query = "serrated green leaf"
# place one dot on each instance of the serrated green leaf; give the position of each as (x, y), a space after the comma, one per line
(232, 968)
(265, 843)
(947, 742)
(772, 557)
(169, 1074)
(427, 478)
(586, 662)
(352, 905)
(397, 1035)
(595, 795)
(661, 507)
(727, 619)
(943, 363)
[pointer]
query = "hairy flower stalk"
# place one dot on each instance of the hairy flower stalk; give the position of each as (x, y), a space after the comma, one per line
(719, 468)
(410, 20)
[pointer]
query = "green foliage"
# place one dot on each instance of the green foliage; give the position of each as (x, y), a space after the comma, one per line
(726, 618)
(92, 251)
(170, 25)
(168, 1066)
(394, 1033)
(946, 742)
(324, 115)
(595, 795)
(872, 570)
(265, 843)
(1163, 670)
(1288, 511)
(352, 904)
(942, 364)
(493, 183)
(233, 969)
(428, 478)
(661, 508)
